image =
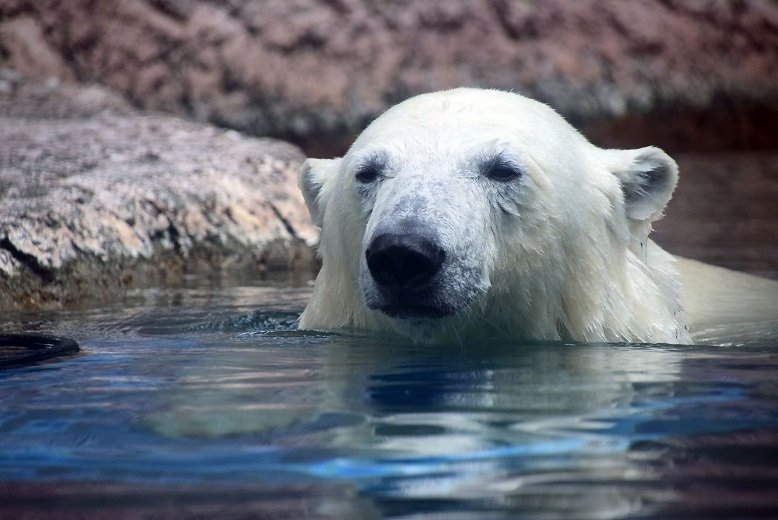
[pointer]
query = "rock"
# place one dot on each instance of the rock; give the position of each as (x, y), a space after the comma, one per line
(97, 196)
(315, 71)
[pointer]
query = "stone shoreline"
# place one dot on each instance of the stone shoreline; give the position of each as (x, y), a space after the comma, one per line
(97, 196)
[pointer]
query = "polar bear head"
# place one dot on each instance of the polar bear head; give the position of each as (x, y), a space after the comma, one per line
(483, 213)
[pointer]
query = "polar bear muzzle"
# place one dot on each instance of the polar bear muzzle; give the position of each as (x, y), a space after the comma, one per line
(399, 261)
(405, 265)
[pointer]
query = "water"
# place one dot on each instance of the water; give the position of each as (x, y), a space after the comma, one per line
(204, 402)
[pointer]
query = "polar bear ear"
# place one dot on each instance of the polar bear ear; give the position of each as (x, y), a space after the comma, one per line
(311, 178)
(648, 177)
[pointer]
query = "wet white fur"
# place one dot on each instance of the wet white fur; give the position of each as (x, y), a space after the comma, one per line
(564, 254)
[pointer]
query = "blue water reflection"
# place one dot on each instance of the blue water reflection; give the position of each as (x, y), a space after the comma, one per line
(204, 390)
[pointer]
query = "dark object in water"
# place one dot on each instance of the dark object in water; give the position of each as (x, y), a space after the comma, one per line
(26, 349)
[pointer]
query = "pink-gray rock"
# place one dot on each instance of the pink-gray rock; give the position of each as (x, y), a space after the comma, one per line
(96, 196)
(315, 71)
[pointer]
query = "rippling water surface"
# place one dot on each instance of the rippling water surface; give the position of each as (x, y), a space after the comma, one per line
(206, 403)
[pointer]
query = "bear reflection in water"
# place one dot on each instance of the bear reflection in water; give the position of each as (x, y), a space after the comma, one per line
(501, 421)
(478, 213)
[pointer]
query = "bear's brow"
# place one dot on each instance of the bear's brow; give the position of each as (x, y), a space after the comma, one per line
(372, 161)
(499, 159)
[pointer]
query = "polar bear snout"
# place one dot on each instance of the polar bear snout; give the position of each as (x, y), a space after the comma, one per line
(404, 273)
(399, 261)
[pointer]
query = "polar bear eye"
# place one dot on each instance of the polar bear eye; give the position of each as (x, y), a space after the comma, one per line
(500, 169)
(366, 174)
(370, 169)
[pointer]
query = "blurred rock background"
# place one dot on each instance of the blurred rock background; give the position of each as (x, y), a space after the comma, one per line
(696, 77)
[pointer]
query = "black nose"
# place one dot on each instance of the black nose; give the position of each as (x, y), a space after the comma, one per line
(403, 261)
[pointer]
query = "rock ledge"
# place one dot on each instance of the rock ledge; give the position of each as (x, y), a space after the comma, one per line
(97, 196)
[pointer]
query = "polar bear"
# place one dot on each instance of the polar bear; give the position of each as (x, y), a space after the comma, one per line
(475, 213)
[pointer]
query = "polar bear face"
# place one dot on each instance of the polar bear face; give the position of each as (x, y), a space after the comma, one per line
(476, 210)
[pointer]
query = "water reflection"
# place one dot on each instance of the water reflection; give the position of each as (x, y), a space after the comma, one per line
(205, 396)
